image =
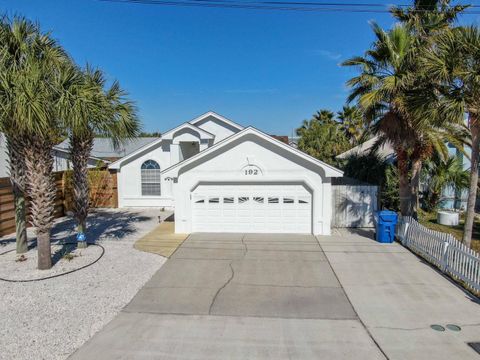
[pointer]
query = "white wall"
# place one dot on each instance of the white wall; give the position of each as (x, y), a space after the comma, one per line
(165, 153)
(3, 157)
(62, 162)
(217, 127)
(278, 167)
(129, 179)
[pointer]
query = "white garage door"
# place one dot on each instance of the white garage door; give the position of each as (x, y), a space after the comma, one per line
(265, 208)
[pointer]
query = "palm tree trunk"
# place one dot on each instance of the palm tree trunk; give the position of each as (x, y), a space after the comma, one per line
(404, 184)
(20, 220)
(44, 251)
(16, 158)
(434, 199)
(472, 192)
(81, 147)
(41, 188)
(415, 185)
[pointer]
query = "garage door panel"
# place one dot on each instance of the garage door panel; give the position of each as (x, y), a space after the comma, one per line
(267, 208)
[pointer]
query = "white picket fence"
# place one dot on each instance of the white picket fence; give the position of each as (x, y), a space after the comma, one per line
(442, 250)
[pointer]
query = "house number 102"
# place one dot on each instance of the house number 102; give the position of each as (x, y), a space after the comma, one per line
(251, 171)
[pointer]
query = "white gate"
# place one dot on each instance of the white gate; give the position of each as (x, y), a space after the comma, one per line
(354, 205)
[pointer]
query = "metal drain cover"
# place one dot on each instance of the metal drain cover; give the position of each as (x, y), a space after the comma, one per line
(437, 327)
(475, 346)
(453, 327)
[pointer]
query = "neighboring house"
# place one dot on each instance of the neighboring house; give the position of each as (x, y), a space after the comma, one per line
(222, 177)
(103, 147)
(282, 138)
(293, 141)
(61, 159)
(62, 162)
(451, 199)
(385, 151)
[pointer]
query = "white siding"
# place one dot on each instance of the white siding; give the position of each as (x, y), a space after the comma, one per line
(129, 179)
(220, 129)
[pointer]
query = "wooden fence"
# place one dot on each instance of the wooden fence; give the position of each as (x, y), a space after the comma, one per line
(103, 194)
(443, 251)
(103, 189)
(354, 205)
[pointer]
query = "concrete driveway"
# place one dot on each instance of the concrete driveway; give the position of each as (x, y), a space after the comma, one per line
(263, 296)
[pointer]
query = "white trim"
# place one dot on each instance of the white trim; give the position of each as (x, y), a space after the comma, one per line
(207, 135)
(217, 116)
(117, 164)
(332, 171)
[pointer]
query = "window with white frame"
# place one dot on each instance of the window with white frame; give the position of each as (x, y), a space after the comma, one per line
(150, 178)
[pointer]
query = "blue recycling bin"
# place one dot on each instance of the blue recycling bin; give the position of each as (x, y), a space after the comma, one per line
(386, 221)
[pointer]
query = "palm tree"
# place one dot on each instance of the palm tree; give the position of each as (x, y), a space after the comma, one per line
(88, 109)
(352, 123)
(441, 174)
(323, 140)
(26, 57)
(427, 17)
(455, 61)
(13, 38)
(380, 92)
(385, 91)
(325, 116)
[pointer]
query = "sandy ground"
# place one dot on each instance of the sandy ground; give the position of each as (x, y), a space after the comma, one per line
(52, 318)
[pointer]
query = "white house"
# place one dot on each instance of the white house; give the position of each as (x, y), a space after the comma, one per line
(61, 159)
(221, 177)
(451, 199)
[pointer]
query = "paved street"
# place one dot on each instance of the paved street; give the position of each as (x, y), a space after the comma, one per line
(263, 296)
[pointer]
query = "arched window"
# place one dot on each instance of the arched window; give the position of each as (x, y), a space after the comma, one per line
(150, 178)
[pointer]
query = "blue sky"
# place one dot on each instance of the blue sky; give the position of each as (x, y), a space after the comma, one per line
(264, 68)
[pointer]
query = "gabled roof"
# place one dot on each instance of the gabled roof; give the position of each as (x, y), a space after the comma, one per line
(103, 147)
(166, 136)
(217, 116)
(385, 150)
(67, 152)
(330, 171)
(203, 133)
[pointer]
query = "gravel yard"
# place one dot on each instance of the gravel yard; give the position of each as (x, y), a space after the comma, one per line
(50, 319)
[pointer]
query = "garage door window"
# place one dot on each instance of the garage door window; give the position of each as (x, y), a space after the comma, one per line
(303, 200)
(150, 178)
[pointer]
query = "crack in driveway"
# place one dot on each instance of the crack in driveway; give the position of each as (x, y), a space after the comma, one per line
(287, 286)
(222, 287)
(245, 245)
